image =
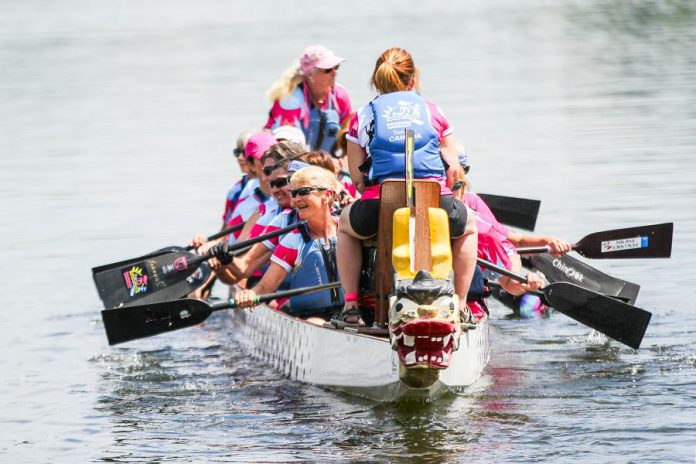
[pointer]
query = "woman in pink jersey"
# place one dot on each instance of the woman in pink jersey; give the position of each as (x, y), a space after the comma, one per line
(258, 256)
(256, 197)
(308, 97)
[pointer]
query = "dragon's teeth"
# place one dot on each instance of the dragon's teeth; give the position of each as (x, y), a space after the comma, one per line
(410, 358)
(446, 340)
(409, 340)
(445, 357)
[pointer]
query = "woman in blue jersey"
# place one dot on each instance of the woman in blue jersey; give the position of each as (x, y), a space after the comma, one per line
(306, 256)
(375, 143)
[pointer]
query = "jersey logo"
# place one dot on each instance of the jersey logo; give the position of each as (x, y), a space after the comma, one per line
(403, 115)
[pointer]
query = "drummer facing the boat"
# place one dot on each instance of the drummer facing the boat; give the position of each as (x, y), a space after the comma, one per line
(307, 96)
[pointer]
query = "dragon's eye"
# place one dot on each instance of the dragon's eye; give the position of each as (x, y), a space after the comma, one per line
(445, 301)
(404, 304)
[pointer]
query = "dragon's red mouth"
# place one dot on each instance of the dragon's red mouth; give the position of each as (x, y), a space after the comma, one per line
(425, 343)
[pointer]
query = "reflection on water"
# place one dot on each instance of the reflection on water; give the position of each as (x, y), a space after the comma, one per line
(118, 122)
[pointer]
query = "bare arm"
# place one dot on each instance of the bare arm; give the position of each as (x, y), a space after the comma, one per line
(516, 288)
(449, 154)
(356, 158)
(558, 246)
(270, 282)
(244, 234)
(244, 266)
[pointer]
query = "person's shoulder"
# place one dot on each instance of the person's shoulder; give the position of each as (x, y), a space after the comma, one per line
(293, 101)
(434, 108)
(292, 239)
(340, 90)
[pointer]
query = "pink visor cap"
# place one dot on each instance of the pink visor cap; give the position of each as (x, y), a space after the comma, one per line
(258, 144)
(318, 56)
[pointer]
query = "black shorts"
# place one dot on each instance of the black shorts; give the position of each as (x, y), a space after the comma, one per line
(364, 216)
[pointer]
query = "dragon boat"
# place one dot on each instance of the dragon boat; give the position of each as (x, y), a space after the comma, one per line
(421, 344)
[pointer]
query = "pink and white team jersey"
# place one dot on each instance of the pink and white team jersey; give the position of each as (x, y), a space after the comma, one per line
(284, 219)
(265, 223)
(294, 109)
(493, 244)
(361, 121)
(233, 195)
(250, 201)
(288, 249)
(347, 182)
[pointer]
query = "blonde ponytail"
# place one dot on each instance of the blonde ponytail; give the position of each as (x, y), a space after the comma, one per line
(286, 84)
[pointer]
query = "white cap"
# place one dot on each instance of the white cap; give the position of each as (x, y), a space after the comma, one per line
(292, 133)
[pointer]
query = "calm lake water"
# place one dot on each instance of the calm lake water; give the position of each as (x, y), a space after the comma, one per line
(117, 122)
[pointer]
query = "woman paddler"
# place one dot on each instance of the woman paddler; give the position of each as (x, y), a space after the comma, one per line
(497, 244)
(234, 270)
(307, 255)
(376, 152)
(234, 193)
(256, 197)
(307, 96)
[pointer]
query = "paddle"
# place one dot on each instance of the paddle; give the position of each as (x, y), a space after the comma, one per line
(131, 323)
(653, 241)
(568, 269)
(144, 281)
(613, 318)
(516, 212)
(161, 251)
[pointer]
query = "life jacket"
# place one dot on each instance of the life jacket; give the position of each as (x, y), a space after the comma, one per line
(393, 113)
(321, 127)
(316, 266)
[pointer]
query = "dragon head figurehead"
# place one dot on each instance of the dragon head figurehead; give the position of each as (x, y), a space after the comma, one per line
(424, 324)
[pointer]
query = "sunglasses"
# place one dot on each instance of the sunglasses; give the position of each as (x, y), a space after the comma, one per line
(279, 183)
(268, 170)
(335, 68)
(304, 191)
(238, 151)
(456, 186)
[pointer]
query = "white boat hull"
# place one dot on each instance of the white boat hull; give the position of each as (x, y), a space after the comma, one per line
(358, 364)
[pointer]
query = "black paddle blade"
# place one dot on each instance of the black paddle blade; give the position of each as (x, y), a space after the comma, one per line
(178, 290)
(633, 242)
(516, 212)
(137, 280)
(568, 269)
(620, 321)
(125, 262)
(126, 324)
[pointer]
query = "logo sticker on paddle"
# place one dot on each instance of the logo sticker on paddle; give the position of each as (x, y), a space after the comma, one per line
(624, 244)
(136, 280)
(179, 264)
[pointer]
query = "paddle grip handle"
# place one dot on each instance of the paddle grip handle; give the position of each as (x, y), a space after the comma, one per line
(227, 231)
(253, 241)
(231, 303)
(534, 250)
(540, 250)
(538, 293)
(222, 233)
(500, 270)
